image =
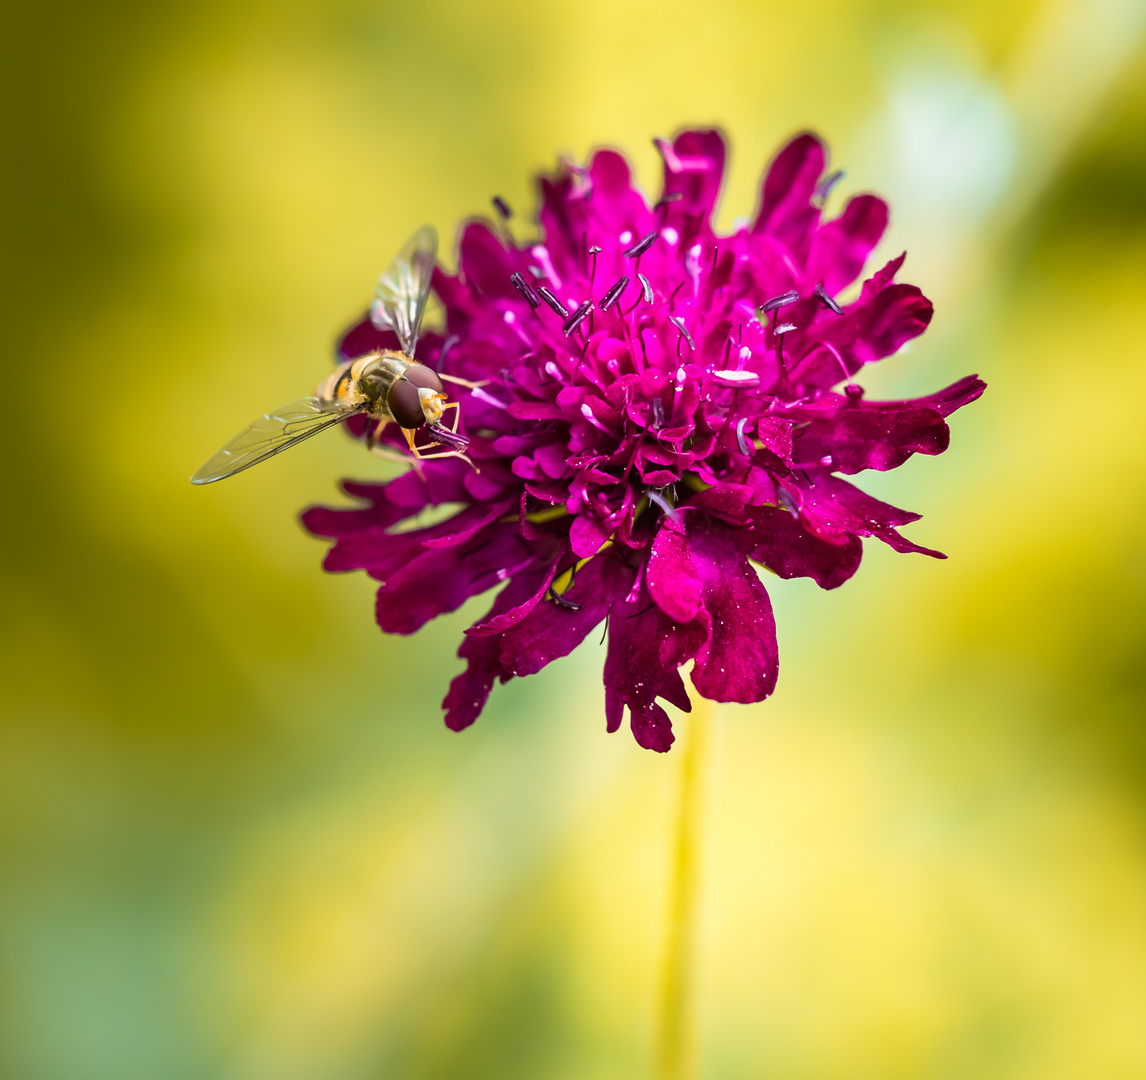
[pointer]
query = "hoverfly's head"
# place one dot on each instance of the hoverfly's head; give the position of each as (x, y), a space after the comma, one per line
(417, 398)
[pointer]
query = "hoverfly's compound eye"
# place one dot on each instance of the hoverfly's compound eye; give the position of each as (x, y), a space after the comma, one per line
(416, 398)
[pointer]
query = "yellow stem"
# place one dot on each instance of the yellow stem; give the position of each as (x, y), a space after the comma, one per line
(676, 1037)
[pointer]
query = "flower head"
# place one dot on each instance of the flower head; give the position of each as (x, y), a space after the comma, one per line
(658, 411)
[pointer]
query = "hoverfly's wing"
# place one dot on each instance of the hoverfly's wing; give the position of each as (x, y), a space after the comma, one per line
(270, 435)
(400, 299)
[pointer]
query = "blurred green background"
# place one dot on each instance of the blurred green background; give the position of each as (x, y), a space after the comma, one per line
(235, 844)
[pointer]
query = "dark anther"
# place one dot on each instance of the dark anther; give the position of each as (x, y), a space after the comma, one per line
(552, 301)
(594, 250)
(641, 246)
(577, 317)
(614, 294)
(671, 197)
(526, 290)
(778, 301)
(678, 322)
(784, 328)
(787, 502)
(559, 598)
(827, 300)
(854, 391)
(824, 187)
(646, 287)
(502, 207)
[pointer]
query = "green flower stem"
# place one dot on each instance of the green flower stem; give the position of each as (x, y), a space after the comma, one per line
(676, 1037)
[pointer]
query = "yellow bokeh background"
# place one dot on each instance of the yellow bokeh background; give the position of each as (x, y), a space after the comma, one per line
(236, 841)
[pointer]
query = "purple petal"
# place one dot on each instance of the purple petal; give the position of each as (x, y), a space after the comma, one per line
(787, 212)
(740, 660)
(364, 337)
(867, 332)
(470, 690)
(587, 535)
(435, 582)
(693, 170)
(670, 576)
(727, 501)
(832, 508)
(789, 550)
(552, 630)
(946, 401)
(564, 219)
(645, 650)
(499, 623)
(854, 439)
(619, 205)
(842, 245)
(485, 263)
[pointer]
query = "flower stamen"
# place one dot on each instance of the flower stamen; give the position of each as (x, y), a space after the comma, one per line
(641, 246)
(558, 307)
(827, 300)
(614, 293)
(577, 317)
(526, 290)
(789, 297)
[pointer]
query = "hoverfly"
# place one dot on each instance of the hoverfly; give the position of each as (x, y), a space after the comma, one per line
(386, 385)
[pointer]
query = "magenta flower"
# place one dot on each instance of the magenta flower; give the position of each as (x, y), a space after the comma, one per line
(658, 413)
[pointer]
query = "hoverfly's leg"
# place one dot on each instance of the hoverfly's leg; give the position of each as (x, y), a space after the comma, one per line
(389, 455)
(422, 454)
(417, 458)
(372, 437)
(457, 407)
(463, 382)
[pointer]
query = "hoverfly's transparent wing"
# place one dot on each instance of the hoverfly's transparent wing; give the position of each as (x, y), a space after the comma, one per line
(271, 434)
(400, 299)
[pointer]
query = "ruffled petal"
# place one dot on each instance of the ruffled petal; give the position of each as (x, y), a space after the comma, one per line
(485, 264)
(437, 581)
(671, 577)
(946, 401)
(552, 630)
(539, 580)
(565, 219)
(645, 650)
(832, 508)
(740, 660)
(784, 546)
(617, 204)
(787, 213)
(389, 504)
(693, 171)
(470, 690)
(842, 245)
(871, 437)
(364, 337)
(884, 319)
